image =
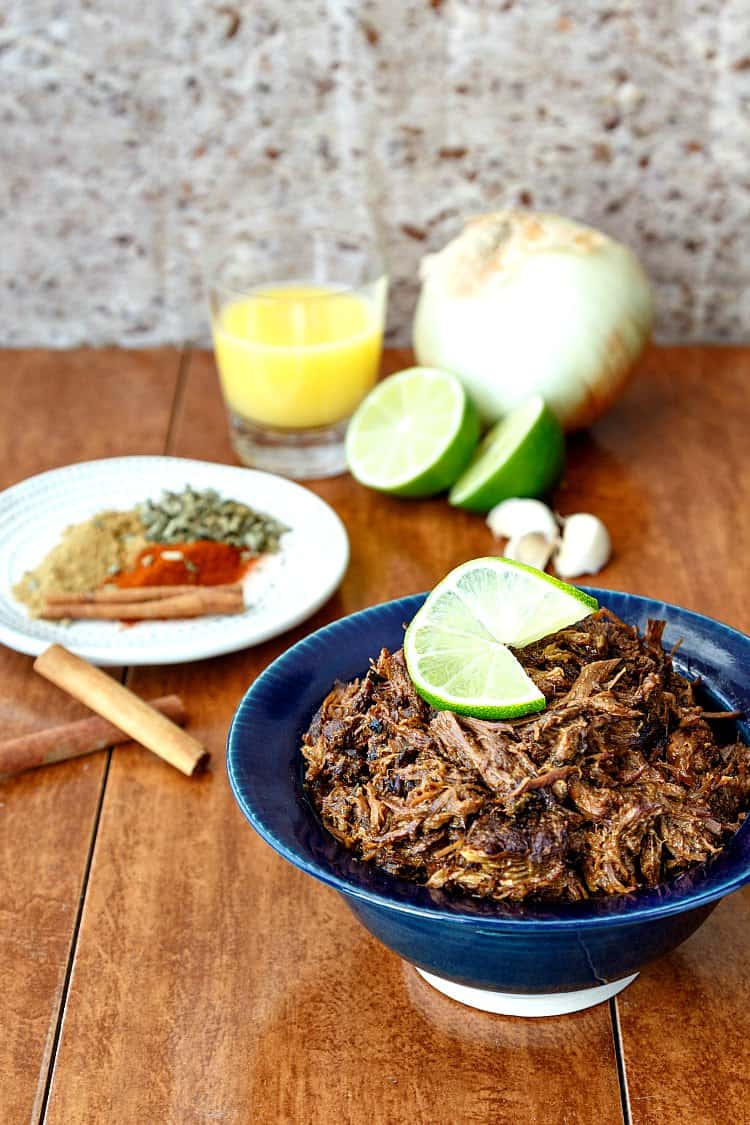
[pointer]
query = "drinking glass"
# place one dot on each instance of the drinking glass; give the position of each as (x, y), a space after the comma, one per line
(297, 314)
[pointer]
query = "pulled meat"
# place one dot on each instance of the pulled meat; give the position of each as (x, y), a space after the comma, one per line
(620, 783)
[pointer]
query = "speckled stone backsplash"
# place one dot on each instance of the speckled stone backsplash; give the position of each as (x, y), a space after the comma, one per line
(130, 133)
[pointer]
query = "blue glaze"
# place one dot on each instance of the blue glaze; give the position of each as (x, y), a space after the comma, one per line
(504, 946)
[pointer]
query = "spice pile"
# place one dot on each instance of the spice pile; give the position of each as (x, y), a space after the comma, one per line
(183, 555)
(183, 517)
(88, 554)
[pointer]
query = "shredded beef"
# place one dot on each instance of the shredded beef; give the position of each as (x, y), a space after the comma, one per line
(619, 783)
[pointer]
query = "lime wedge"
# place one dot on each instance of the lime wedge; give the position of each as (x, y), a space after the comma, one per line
(522, 455)
(413, 434)
(456, 646)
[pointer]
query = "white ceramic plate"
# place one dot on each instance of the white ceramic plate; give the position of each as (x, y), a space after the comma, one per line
(281, 590)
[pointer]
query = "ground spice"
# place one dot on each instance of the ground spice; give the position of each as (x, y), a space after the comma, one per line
(87, 555)
(203, 563)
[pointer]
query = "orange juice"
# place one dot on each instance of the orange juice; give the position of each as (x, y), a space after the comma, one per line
(299, 355)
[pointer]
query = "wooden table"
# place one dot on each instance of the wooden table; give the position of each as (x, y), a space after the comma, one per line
(161, 964)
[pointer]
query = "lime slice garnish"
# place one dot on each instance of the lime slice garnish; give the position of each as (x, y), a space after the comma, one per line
(522, 455)
(413, 434)
(456, 646)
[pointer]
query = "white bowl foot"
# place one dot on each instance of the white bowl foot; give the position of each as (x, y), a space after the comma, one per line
(520, 1004)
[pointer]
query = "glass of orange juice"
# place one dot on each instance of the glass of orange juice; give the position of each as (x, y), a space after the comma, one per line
(297, 314)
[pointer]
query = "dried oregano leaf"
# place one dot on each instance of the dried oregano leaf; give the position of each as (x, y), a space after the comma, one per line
(183, 517)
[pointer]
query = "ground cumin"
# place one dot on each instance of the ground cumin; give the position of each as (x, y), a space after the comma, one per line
(87, 555)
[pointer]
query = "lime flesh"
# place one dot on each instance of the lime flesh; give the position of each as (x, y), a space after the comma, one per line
(456, 647)
(522, 455)
(414, 433)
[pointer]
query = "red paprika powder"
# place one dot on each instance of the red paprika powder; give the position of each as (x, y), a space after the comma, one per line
(202, 563)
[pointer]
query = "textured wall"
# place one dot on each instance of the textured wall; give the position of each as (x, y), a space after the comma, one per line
(129, 131)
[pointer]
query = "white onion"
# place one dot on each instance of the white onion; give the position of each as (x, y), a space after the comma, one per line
(523, 304)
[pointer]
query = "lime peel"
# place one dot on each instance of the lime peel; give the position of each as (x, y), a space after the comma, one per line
(456, 647)
(414, 434)
(521, 456)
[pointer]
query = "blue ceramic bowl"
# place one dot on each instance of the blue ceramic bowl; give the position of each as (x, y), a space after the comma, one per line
(502, 957)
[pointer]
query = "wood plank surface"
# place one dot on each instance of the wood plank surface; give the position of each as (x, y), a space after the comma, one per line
(61, 407)
(668, 471)
(56, 408)
(672, 461)
(214, 982)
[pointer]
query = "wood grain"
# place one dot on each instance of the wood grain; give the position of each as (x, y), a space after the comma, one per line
(212, 981)
(672, 463)
(686, 1028)
(668, 471)
(56, 408)
(80, 405)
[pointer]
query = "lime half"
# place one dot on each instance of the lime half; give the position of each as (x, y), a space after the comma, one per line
(456, 646)
(522, 455)
(413, 434)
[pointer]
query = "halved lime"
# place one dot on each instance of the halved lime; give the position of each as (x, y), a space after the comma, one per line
(413, 434)
(522, 455)
(456, 646)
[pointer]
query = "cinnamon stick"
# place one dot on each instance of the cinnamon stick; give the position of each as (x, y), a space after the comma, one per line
(139, 594)
(200, 602)
(120, 706)
(72, 740)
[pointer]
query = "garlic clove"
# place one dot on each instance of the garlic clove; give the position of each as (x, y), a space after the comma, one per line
(585, 546)
(533, 548)
(518, 516)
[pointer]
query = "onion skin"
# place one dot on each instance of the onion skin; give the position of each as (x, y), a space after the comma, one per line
(523, 303)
